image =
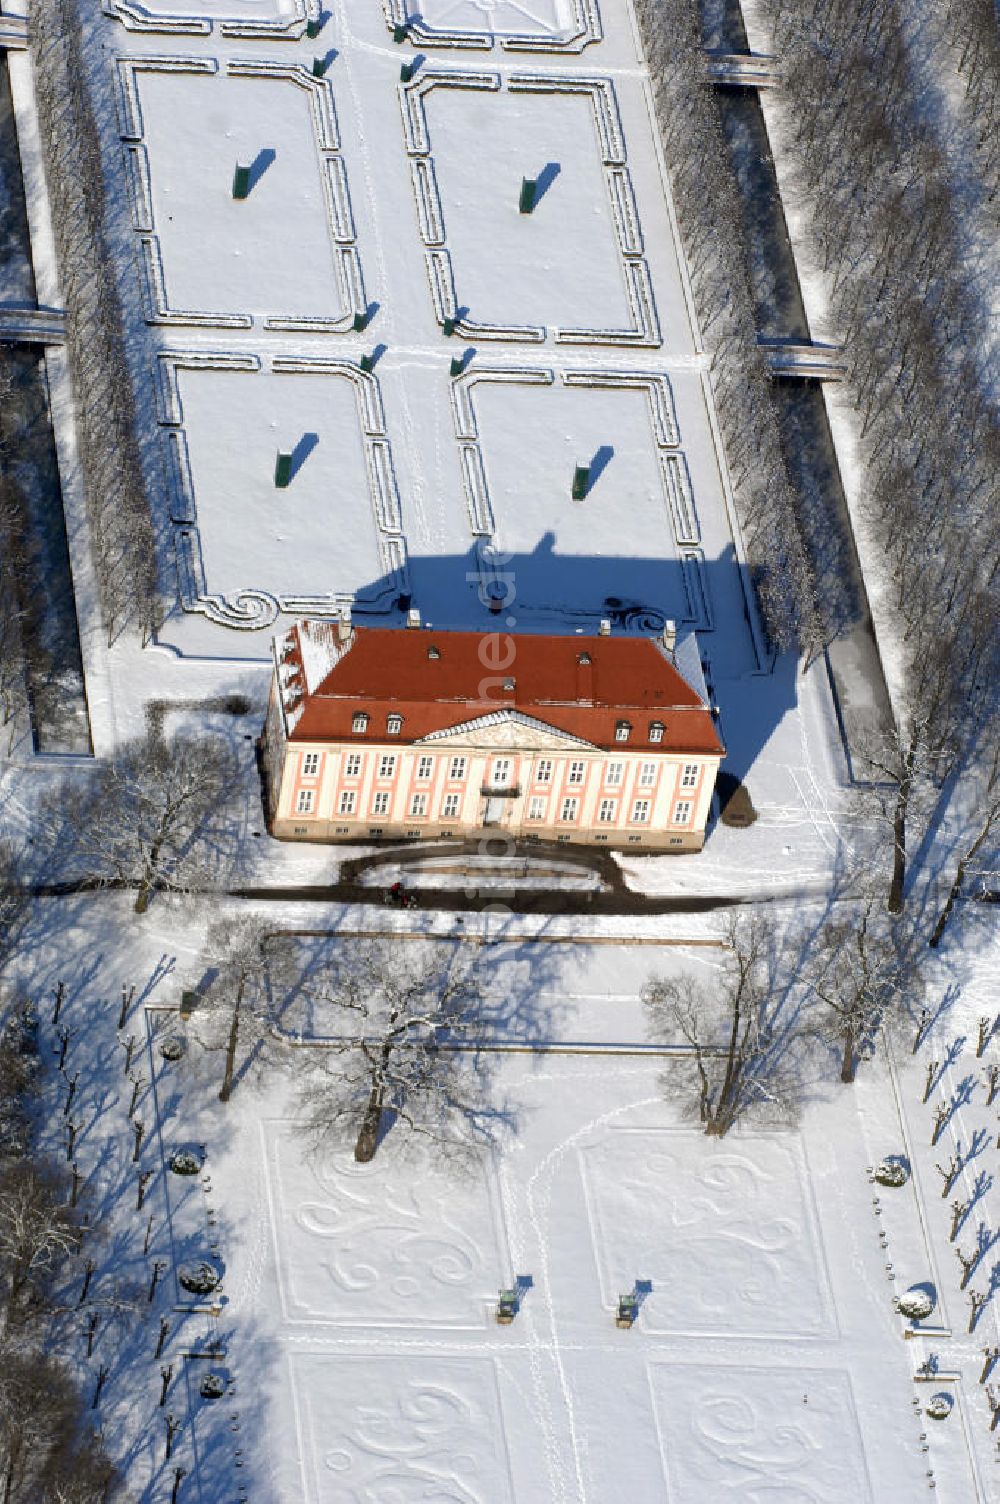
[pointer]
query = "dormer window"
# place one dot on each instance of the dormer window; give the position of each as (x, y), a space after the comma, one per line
(623, 730)
(394, 725)
(656, 731)
(359, 722)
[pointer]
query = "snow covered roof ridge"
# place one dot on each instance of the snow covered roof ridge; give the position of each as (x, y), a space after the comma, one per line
(304, 657)
(322, 644)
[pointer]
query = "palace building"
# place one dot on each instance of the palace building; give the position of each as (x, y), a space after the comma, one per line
(378, 733)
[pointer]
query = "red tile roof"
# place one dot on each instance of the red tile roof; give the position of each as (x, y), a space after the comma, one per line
(438, 680)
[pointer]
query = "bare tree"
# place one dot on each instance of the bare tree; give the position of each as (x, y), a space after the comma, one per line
(861, 972)
(988, 824)
(43, 1457)
(236, 1006)
(37, 1232)
(403, 1022)
(740, 1030)
(13, 899)
(164, 814)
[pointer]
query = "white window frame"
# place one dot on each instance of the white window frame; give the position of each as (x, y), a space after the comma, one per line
(607, 811)
(418, 806)
(536, 807)
(304, 801)
(543, 770)
(569, 810)
(640, 811)
(456, 769)
(689, 777)
(682, 811)
(615, 775)
(387, 765)
(352, 765)
(393, 724)
(656, 731)
(380, 802)
(359, 722)
(449, 809)
(577, 770)
(501, 772)
(623, 730)
(425, 768)
(647, 775)
(348, 800)
(310, 764)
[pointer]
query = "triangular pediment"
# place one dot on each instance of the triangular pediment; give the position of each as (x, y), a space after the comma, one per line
(508, 729)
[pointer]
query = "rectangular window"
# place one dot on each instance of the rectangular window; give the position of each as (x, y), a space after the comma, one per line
(543, 770)
(418, 805)
(690, 775)
(352, 767)
(682, 811)
(640, 811)
(536, 808)
(457, 769)
(647, 775)
(425, 767)
(450, 808)
(656, 731)
(359, 722)
(347, 802)
(386, 765)
(615, 771)
(310, 765)
(380, 804)
(393, 725)
(607, 811)
(576, 772)
(304, 803)
(569, 809)
(623, 730)
(501, 772)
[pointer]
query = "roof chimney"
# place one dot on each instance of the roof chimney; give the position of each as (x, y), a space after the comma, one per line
(669, 638)
(413, 616)
(584, 679)
(344, 624)
(605, 627)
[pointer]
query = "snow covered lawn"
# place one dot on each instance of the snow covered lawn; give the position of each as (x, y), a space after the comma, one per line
(766, 1355)
(336, 524)
(269, 254)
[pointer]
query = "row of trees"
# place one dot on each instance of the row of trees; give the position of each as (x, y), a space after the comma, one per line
(47, 1453)
(706, 200)
(13, 681)
(969, 31)
(886, 227)
(398, 1024)
(398, 1032)
(782, 1004)
(121, 526)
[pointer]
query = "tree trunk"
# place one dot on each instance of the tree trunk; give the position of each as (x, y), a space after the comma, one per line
(234, 1033)
(364, 1149)
(950, 902)
(148, 876)
(895, 901)
(849, 1062)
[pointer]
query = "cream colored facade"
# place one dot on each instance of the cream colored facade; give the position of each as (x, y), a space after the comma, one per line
(502, 774)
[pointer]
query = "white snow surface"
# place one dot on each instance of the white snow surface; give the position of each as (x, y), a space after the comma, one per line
(355, 1321)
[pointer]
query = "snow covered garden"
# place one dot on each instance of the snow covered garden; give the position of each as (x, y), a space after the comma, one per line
(307, 1197)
